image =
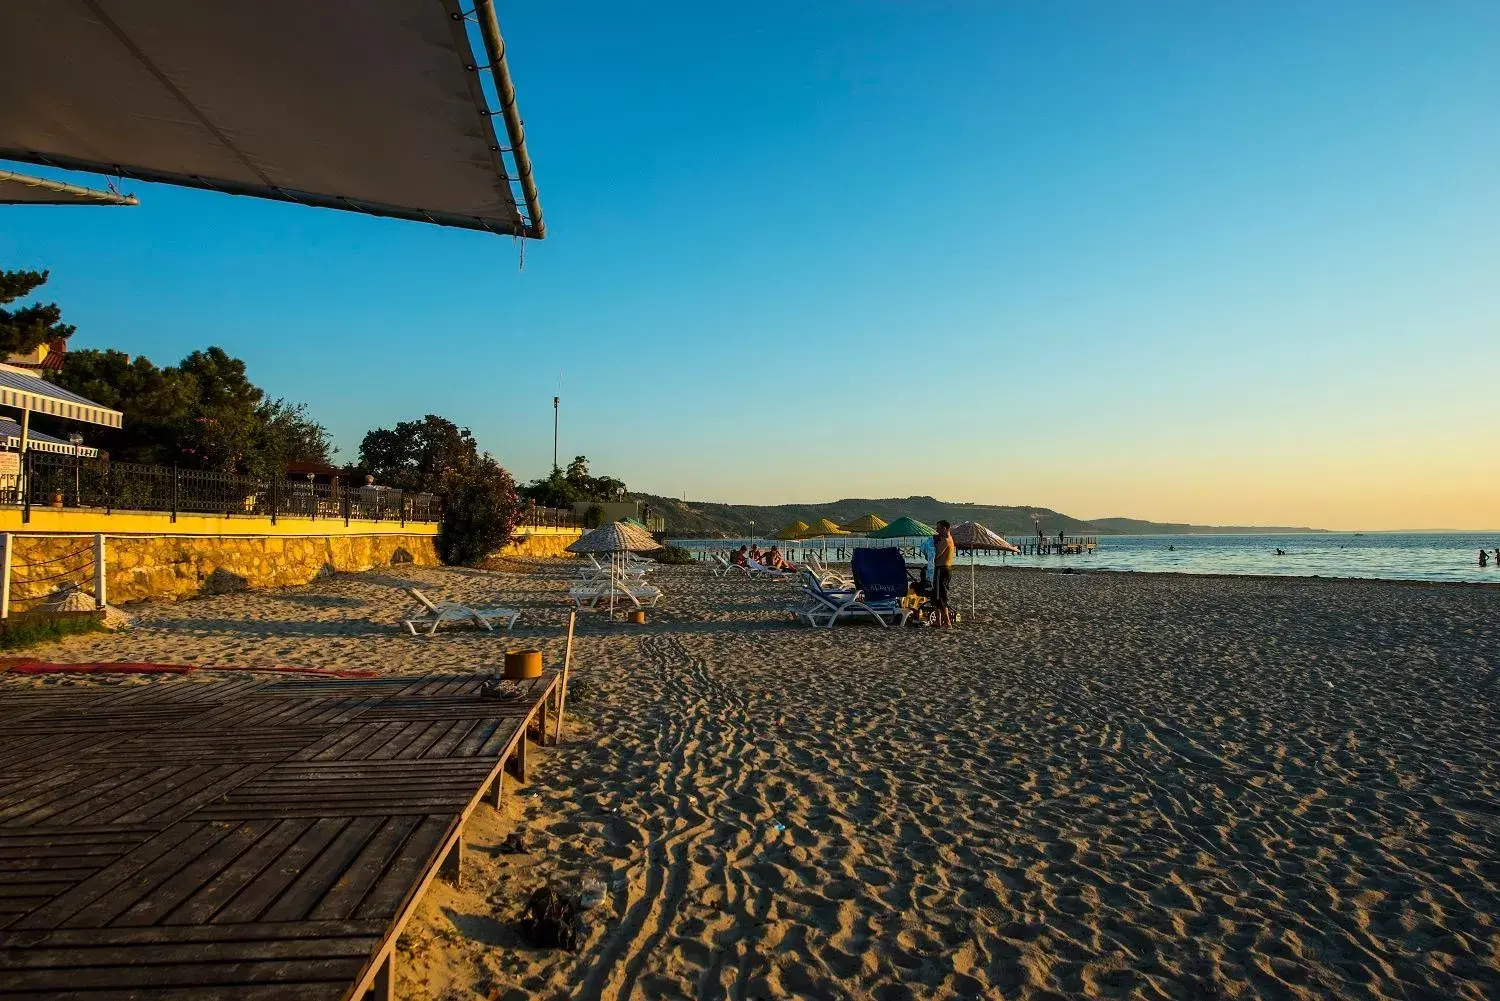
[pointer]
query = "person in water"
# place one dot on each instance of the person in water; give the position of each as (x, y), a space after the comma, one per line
(1280, 552)
(1484, 559)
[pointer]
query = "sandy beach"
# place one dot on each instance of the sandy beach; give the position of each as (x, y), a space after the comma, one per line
(1101, 786)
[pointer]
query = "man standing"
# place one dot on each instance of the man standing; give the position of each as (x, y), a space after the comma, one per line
(943, 553)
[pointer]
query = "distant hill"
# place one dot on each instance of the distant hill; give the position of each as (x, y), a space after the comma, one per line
(707, 519)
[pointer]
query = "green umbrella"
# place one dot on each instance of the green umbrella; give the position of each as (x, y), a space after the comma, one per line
(904, 528)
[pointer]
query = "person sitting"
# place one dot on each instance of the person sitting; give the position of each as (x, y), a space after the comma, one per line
(757, 555)
(739, 557)
(775, 561)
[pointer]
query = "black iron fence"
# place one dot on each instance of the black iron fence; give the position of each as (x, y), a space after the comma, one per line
(548, 517)
(50, 480)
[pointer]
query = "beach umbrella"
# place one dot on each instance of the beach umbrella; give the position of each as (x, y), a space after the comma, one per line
(869, 523)
(796, 530)
(823, 527)
(971, 535)
(615, 539)
(904, 528)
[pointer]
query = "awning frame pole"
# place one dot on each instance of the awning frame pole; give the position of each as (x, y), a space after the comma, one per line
(515, 129)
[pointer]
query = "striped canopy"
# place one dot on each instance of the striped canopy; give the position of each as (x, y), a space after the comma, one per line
(10, 434)
(869, 523)
(24, 391)
(904, 528)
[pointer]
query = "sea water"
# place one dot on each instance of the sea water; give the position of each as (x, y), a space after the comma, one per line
(1437, 556)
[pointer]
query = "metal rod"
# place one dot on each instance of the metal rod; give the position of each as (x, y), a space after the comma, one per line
(494, 46)
(79, 195)
(554, 433)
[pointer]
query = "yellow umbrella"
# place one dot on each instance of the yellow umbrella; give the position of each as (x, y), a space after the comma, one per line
(823, 527)
(869, 523)
(795, 530)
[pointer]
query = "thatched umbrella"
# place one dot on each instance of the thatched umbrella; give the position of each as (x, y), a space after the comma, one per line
(823, 527)
(869, 523)
(615, 539)
(796, 530)
(971, 535)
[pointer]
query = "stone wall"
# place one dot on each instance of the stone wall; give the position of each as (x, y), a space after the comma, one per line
(547, 542)
(181, 566)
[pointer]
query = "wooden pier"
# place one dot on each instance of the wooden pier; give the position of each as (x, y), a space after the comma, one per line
(241, 839)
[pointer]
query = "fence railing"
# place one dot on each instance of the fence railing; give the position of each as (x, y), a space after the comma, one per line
(49, 480)
(548, 517)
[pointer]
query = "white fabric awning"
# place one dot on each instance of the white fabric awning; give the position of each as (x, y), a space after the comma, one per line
(373, 106)
(24, 189)
(10, 435)
(24, 391)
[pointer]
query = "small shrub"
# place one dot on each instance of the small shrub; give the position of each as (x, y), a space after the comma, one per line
(593, 517)
(675, 556)
(28, 632)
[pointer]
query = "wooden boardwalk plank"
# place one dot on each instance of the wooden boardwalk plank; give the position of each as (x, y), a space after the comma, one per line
(233, 839)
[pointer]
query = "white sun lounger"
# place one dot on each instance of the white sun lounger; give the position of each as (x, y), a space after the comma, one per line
(588, 594)
(434, 613)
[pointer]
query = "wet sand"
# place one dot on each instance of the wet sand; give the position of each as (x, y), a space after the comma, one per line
(1102, 786)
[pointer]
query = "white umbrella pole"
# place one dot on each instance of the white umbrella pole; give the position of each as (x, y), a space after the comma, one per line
(972, 598)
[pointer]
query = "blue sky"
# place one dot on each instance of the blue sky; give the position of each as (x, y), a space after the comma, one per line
(1231, 262)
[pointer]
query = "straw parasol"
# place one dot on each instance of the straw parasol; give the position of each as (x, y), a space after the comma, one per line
(971, 535)
(796, 530)
(615, 539)
(904, 528)
(823, 527)
(869, 523)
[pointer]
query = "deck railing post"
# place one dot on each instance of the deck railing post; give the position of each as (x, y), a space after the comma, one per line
(8, 541)
(176, 475)
(344, 499)
(25, 487)
(101, 574)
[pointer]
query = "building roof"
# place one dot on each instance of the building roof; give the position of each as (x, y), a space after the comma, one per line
(24, 391)
(373, 106)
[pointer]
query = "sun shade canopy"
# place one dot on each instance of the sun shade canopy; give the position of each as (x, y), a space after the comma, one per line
(823, 527)
(869, 523)
(10, 434)
(973, 535)
(373, 106)
(796, 530)
(25, 391)
(23, 189)
(617, 537)
(904, 528)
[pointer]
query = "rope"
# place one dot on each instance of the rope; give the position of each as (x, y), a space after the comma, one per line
(57, 559)
(43, 580)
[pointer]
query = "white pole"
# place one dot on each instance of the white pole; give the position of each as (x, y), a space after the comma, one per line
(971, 584)
(100, 575)
(9, 543)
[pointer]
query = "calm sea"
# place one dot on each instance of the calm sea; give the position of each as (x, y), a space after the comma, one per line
(1447, 556)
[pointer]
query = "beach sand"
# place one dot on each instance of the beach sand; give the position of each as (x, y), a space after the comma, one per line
(1103, 786)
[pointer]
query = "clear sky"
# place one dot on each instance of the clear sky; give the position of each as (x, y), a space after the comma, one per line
(1229, 262)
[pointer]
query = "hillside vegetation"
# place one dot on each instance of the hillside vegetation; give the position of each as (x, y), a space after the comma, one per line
(705, 519)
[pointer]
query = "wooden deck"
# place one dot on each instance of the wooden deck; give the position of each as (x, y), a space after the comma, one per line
(244, 839)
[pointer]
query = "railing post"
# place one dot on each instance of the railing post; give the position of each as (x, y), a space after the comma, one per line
(175, 478)
(9, 542)
(25, 489)
(109, 488)
(275, 478)
(101, 575)
(403, 509)
(344, 497)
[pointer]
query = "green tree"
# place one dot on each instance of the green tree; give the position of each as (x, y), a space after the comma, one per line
(434, 455)
(204, 413)
(416, 455)
(563, 488)
(27, 327)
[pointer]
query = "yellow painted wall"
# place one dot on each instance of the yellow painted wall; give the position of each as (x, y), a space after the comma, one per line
(46, 520)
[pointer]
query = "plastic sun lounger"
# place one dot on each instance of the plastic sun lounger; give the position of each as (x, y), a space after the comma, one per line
(845, 604)
(828, 578)
(434, 614)
(757, 569)
(590, 593)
